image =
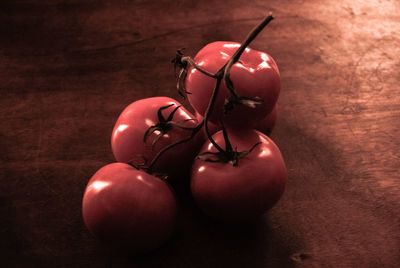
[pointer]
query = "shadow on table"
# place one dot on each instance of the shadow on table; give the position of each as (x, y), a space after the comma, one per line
(201, 242)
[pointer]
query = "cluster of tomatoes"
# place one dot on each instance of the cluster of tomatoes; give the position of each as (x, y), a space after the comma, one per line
(236, 172)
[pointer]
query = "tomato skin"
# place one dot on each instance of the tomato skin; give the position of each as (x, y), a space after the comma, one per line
(129, 208)
(244, 192)
(255, 75)
(267, 124)
(127, 137)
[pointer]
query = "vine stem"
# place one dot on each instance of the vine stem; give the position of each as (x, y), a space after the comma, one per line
(209, 110)
(250, 37)
(195, 130)
(197, 67)
(223, 73)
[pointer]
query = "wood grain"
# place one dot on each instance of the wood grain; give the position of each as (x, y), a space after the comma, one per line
(68, 68)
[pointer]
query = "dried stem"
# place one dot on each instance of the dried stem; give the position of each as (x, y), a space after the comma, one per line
(221, 74)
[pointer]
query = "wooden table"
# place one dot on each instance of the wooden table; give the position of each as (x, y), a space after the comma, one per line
(68, 68)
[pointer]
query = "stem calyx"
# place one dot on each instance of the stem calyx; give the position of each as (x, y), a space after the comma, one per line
(229, 155)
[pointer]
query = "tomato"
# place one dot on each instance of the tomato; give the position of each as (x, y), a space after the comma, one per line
(254, 75)
(129, 208)
(267, 124)
(243, 192)
(127, 140)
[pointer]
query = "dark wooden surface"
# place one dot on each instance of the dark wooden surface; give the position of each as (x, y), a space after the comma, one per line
(68, 68)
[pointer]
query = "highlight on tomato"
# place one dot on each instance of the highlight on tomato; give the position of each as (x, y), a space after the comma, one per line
(147, 126)
(241, 182)
(129, 208)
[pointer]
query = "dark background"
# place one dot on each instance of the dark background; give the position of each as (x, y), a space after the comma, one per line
(68, 68)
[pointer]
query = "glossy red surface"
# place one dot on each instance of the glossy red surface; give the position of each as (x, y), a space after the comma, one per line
(127, 137)
(254, 75)
(128, 208)
(267, 124)
(243, 192)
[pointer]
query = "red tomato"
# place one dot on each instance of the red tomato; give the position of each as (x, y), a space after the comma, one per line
(129, 208)
(245, 191)
(254, 75)
(127, 137)
(267, 124)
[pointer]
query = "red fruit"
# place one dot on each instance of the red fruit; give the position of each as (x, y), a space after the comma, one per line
(127, 140)
(267, 124)
(254, 75)
(243, 192)
(129, 208)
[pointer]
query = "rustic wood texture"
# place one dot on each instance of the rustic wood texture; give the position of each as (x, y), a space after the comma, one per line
(68, 68)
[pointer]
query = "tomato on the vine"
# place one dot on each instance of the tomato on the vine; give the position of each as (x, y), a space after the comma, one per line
(146, 126)
(244, 191)
(129, 208)
(255, 75)
(230, 86)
